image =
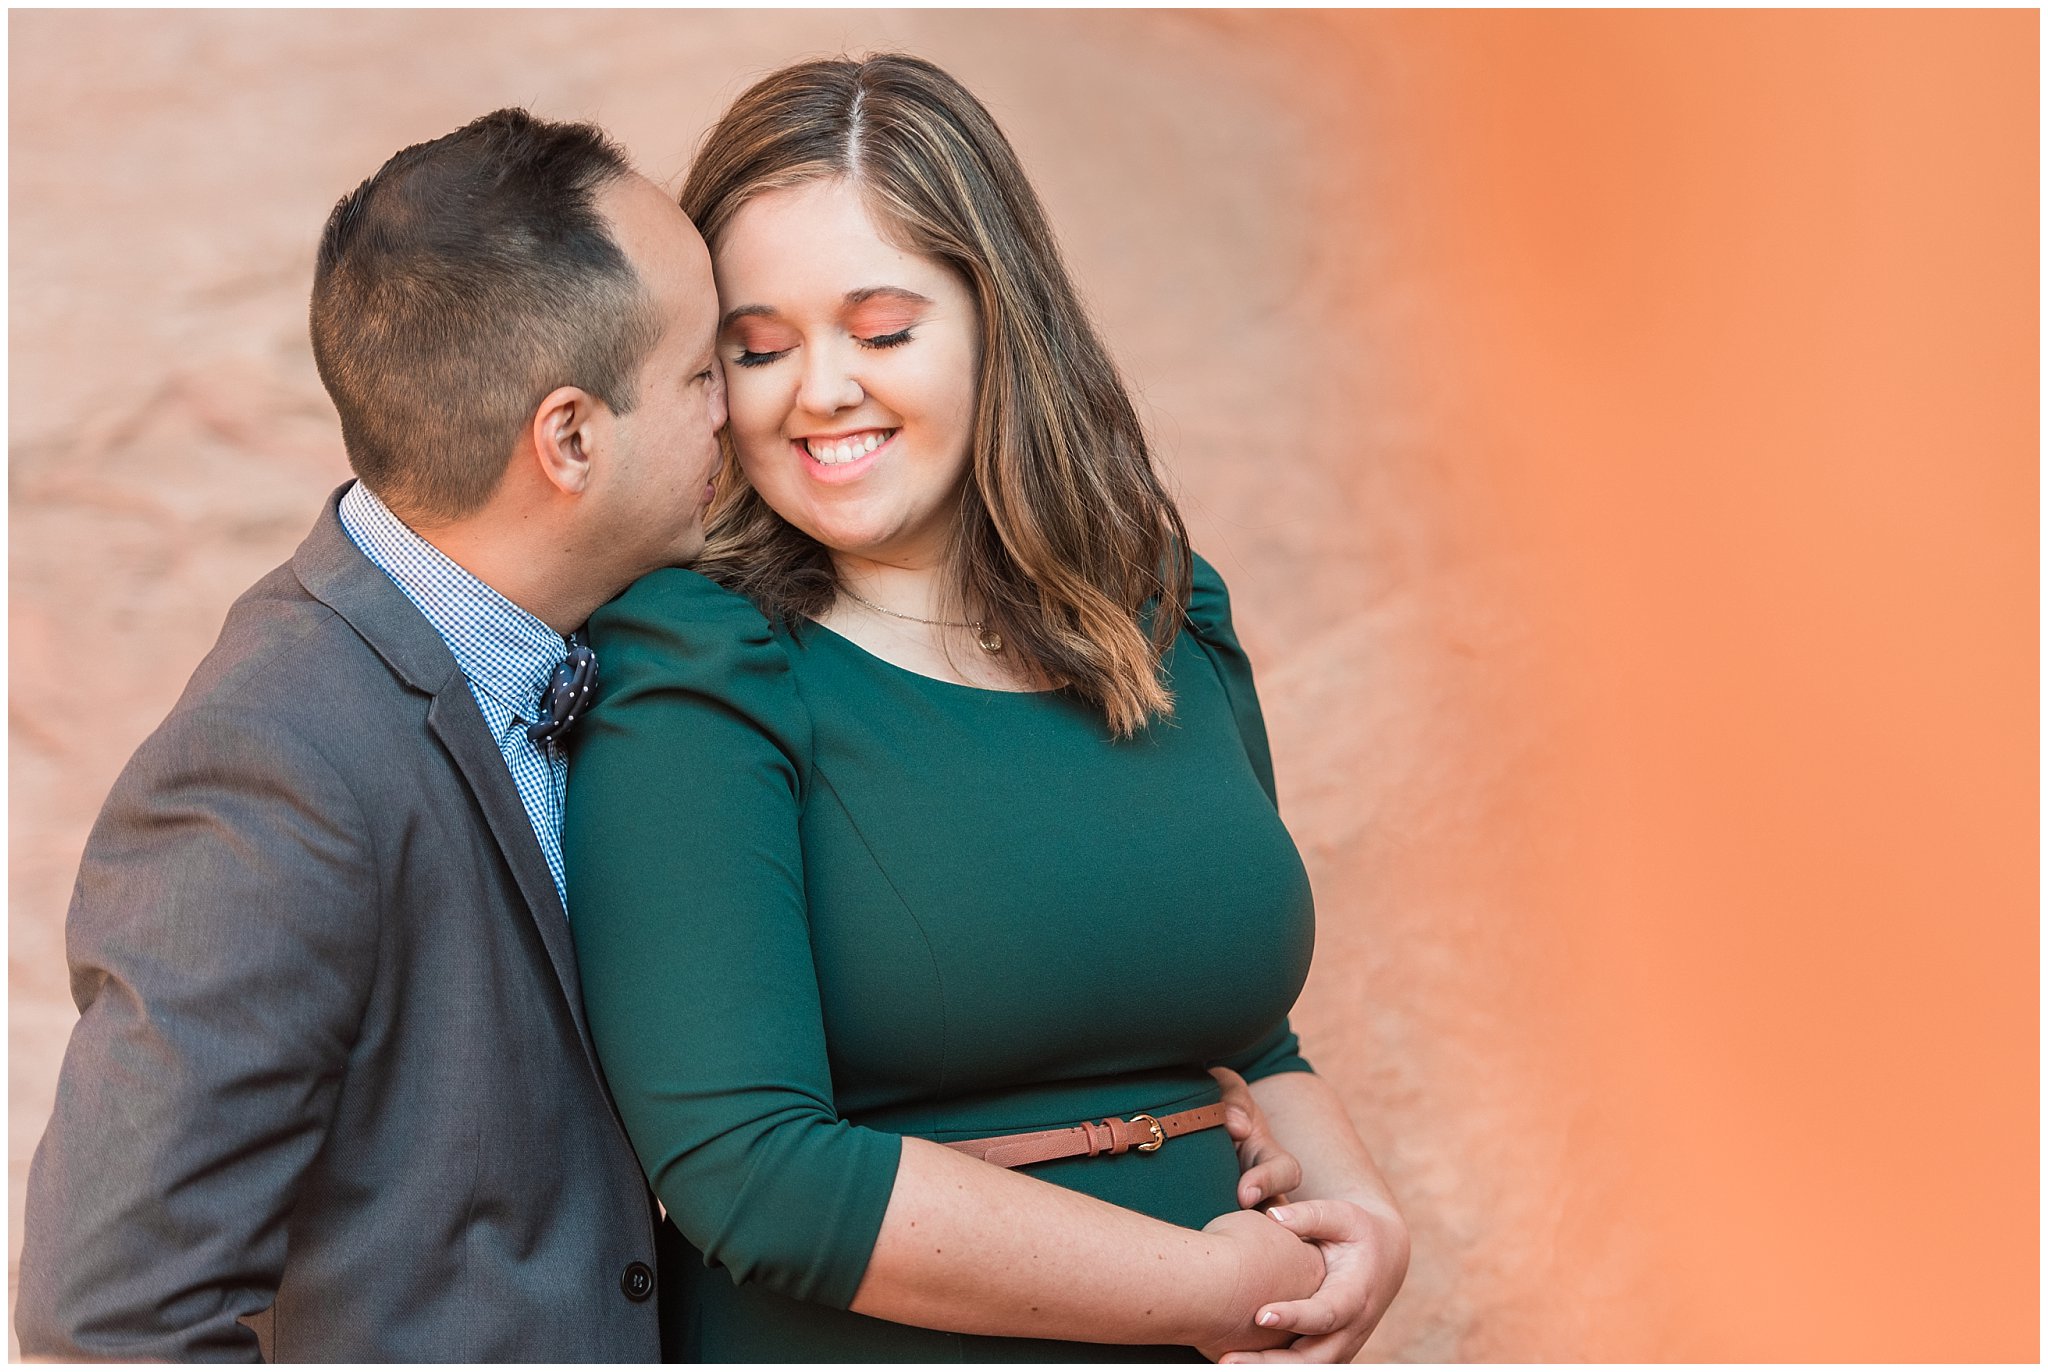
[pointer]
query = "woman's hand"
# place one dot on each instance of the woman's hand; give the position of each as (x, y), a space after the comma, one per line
(1344, 1209)
(1365, 1257)
(1269, 1171)
(1270, 1262)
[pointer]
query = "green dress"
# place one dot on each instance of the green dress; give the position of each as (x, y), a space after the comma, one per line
(821, 901)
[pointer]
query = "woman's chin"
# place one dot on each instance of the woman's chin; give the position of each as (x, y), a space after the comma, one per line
(853, 539)
(866, 548)
(873, 535)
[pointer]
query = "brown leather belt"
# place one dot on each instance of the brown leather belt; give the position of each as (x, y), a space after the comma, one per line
(1144, 1133)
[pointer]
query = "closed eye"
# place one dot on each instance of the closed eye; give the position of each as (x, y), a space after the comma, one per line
(754, 359)
(887, 340)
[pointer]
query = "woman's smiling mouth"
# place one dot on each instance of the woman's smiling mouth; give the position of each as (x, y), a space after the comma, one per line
(836, 458)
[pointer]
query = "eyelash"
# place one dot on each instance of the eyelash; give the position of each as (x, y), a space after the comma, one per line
(879, 342)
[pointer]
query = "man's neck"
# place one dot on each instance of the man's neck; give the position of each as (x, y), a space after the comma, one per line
(521, 564)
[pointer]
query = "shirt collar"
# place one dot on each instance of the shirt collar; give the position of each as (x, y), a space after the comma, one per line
(501, 648)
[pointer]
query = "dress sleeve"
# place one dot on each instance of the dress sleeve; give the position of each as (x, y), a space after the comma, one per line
(686, 894)
(1279, 1051)
(1209, 617)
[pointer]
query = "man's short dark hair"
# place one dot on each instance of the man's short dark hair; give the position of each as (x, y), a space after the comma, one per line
(457, 287)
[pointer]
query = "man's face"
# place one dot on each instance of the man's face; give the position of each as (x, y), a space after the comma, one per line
(655, 488)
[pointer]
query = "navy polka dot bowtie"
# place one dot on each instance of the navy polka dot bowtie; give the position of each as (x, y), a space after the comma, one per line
(567, 692)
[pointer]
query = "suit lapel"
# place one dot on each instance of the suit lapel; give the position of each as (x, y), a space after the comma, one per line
(460, 726)
(334, 571)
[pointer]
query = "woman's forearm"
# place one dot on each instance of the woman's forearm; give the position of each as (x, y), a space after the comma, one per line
(1304, 1114)
(977, 1249)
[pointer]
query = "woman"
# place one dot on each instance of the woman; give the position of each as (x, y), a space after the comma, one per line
(934, 809)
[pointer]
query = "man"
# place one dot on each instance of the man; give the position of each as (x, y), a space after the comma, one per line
(331, 1062)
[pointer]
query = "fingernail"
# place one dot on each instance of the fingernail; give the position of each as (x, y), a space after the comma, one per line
(1269, 1319)
(1280, 1215)
(1252, 1195)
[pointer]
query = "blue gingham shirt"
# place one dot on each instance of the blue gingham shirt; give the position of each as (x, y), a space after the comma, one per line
(505, 654)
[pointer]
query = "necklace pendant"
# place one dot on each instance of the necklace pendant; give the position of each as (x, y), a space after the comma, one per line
(990, 640)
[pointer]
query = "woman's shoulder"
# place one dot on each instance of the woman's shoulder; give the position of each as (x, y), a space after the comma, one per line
(677, 623)
(681, 657)
(1209, 602)
(677, 600)
(678, 594)
(1209, 618)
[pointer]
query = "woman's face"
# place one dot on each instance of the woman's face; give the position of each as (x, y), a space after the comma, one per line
(850, 370)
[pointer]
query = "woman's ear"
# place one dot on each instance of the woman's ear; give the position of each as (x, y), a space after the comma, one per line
(568, 428)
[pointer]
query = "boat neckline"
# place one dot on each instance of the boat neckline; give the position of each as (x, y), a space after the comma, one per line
(923, 676)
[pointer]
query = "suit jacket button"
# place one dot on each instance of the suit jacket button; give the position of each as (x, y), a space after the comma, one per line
(638, 1282)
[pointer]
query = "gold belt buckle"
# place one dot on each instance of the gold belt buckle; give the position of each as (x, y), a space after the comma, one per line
(1158, 1133)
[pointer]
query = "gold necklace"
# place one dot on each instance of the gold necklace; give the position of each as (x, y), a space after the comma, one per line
(989, 639)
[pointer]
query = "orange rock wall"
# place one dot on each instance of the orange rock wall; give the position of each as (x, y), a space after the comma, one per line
(1619, 432)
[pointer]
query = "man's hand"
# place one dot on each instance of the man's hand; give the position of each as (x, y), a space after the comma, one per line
(1275, 1270)
(1365, 1257)
(1269, 1171)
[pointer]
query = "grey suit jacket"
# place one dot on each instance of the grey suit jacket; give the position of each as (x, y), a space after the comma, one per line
(331, 1060)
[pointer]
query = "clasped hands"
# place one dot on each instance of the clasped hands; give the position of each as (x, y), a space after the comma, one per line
(1348, 1255)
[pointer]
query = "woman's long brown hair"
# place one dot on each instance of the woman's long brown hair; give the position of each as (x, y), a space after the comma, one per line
(1064, 530)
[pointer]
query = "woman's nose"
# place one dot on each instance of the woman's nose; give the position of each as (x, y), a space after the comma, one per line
(828, 384)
